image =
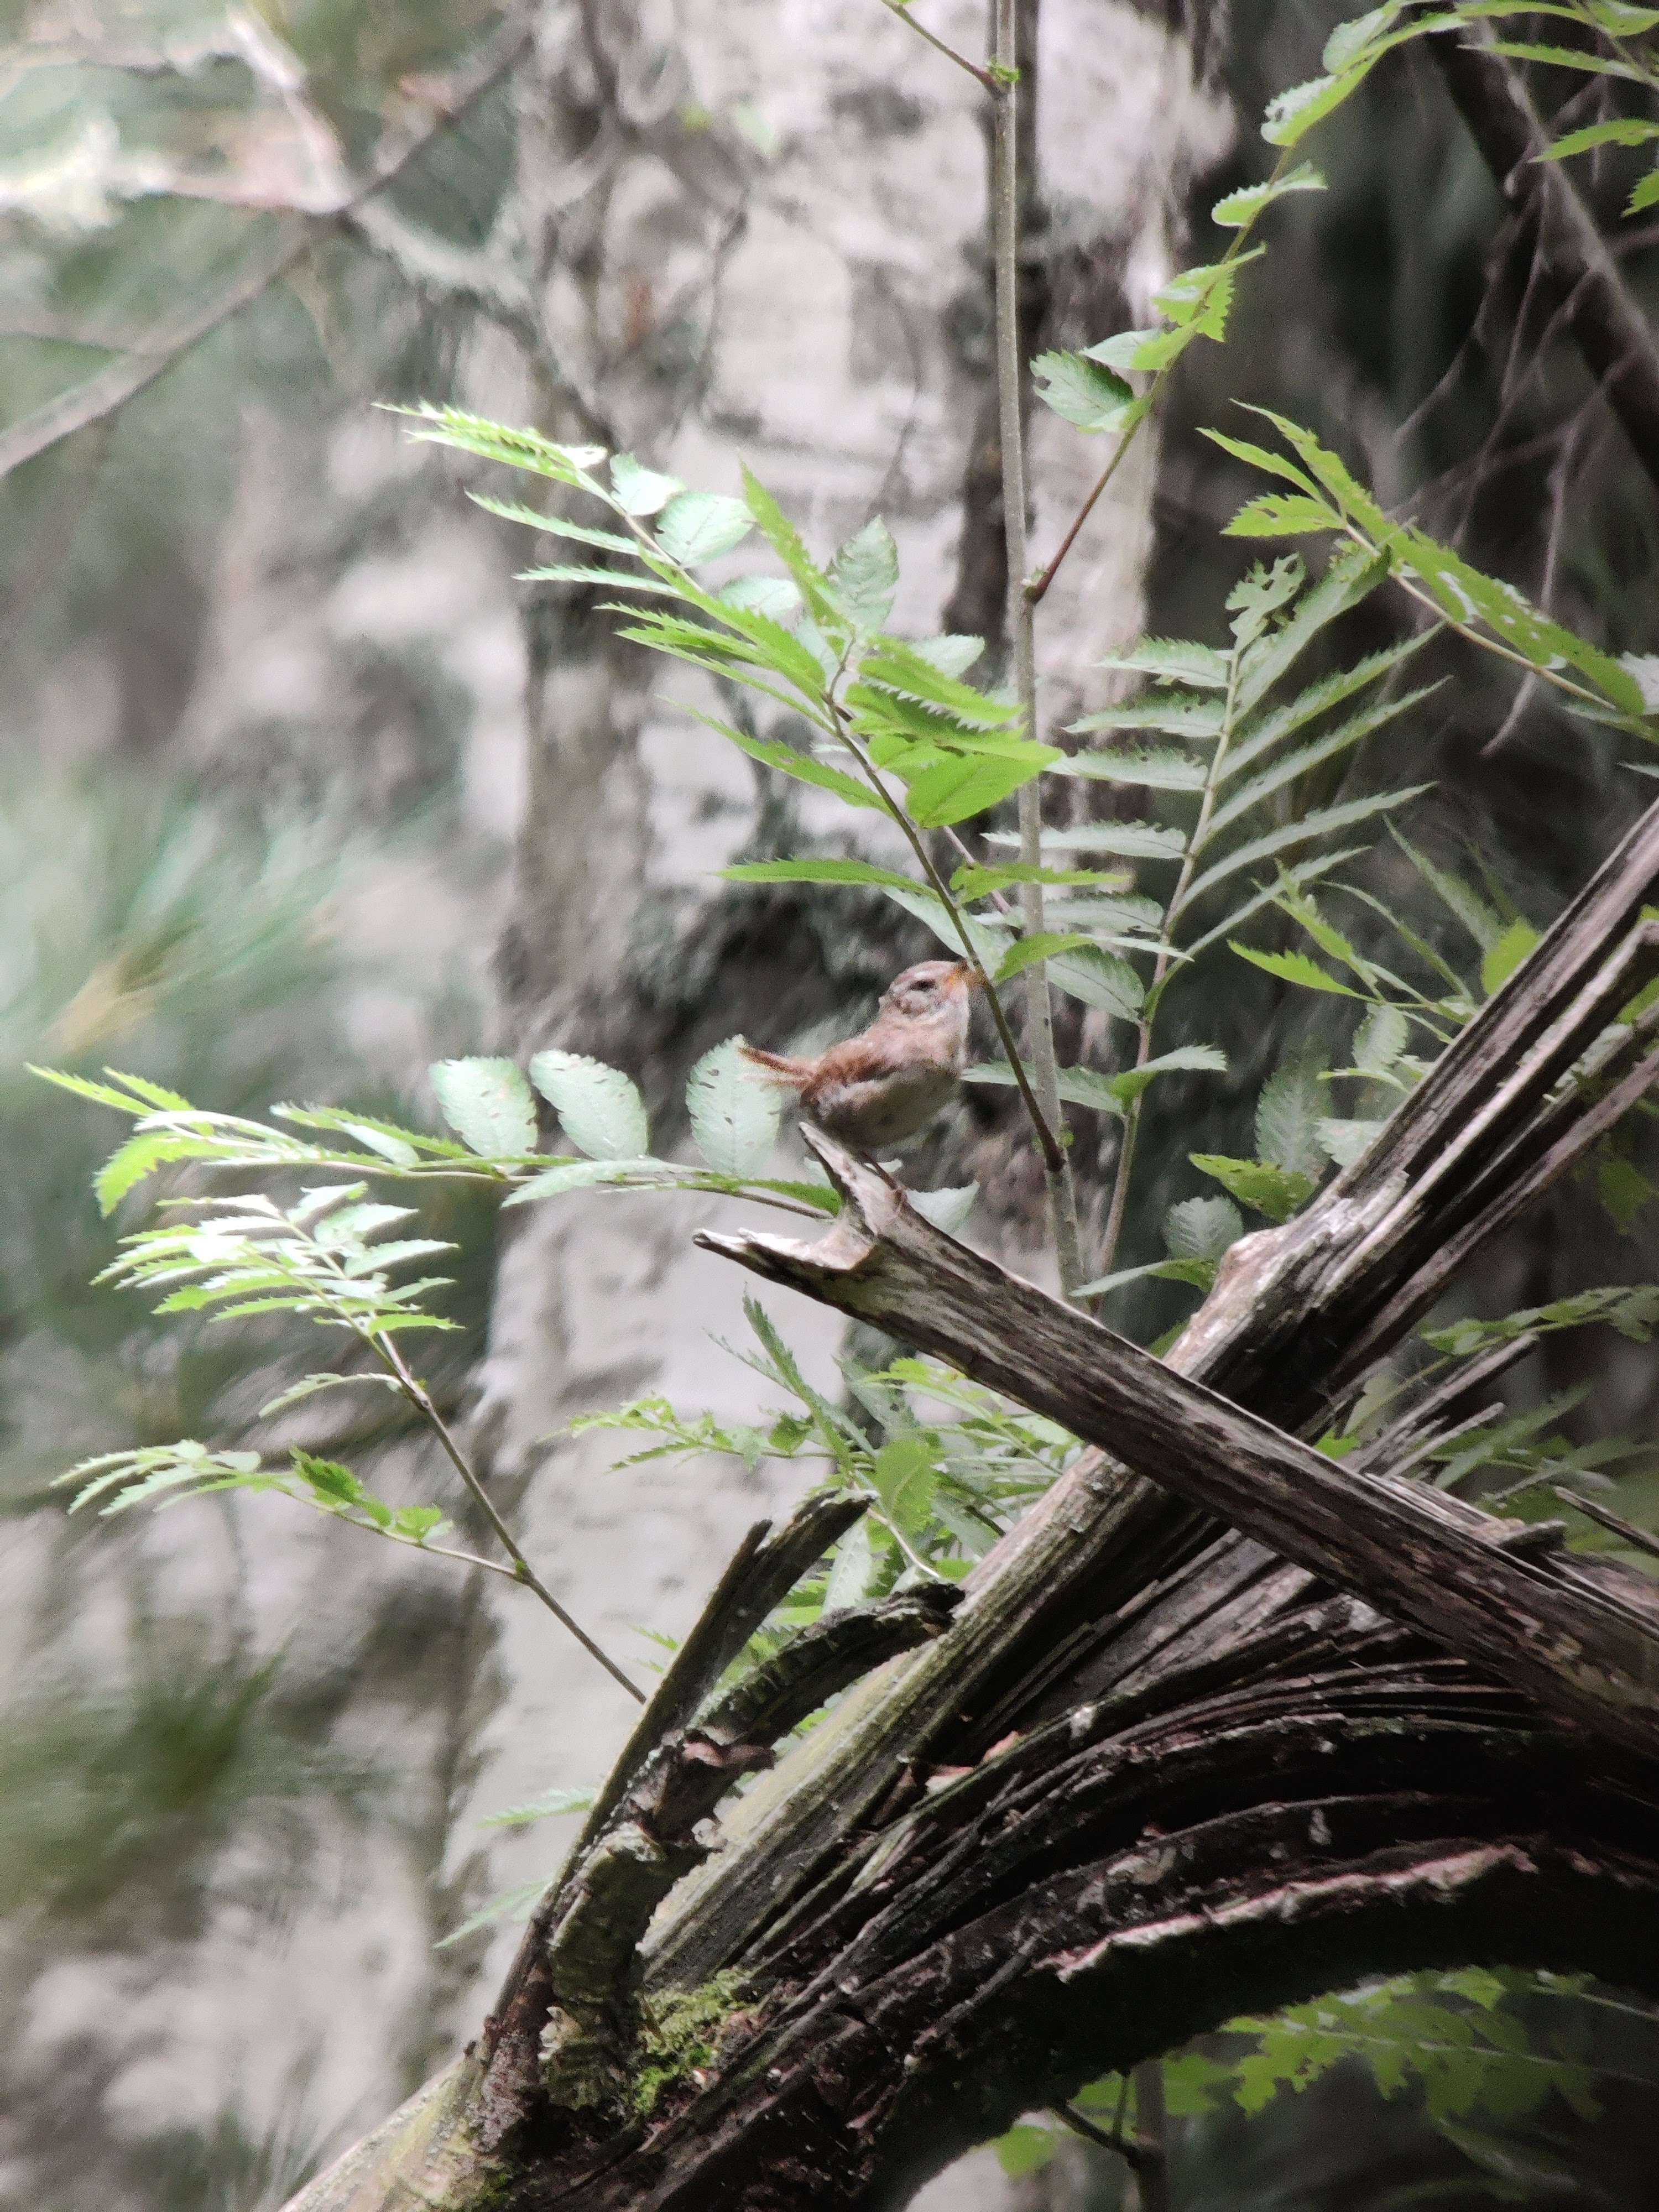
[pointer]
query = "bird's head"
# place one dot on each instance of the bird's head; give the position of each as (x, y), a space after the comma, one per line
(928, 988)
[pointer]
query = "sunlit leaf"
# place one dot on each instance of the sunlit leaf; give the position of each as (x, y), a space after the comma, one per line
(641, 491)
(1502, 958)
(700, 526)
(956, 789)
(1240, 208)
(1277, 1192)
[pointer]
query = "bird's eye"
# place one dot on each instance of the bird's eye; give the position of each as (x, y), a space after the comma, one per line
(926, 983)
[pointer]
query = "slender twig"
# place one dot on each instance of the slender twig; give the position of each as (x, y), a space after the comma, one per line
(102, 395)
(1010, 372)
(840, 728)
(421, 1399)
(1642, 1539)
(1130, 2148)
(1036, 590)
(1054, 1159)
(902, 10)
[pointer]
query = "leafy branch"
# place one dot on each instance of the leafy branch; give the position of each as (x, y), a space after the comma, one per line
(320, 1258)
(899, 712)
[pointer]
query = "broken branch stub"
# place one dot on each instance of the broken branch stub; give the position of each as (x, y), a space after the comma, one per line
(1584, 1639)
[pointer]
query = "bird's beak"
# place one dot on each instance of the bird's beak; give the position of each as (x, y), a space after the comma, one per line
(967, 975)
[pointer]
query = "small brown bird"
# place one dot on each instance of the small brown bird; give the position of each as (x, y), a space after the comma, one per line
(877, 1089)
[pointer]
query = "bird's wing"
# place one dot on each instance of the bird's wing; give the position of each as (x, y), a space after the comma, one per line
(872, 1057)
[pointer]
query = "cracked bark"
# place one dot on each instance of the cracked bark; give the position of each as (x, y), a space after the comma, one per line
(1155, 1772)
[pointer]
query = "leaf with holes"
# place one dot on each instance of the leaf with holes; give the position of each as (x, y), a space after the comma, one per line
(1276, 1192)
(601, 1111)
(1083, 391)
(486, 1103)
(734, 1114)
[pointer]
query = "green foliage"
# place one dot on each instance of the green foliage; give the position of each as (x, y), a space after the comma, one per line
(486, 1103)
(1611, 29)
(1266, 1188)
(931, 750)
(1457, 2039)
(1479, 607)
(601, 1111)
(551, 1805)
(320, 1257)
(1633, 1311)
(946, 1465)
(165, 1473)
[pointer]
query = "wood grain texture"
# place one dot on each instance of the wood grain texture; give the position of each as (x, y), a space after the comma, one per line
(1583, 1640)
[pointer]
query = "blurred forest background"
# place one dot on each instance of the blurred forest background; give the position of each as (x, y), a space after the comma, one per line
(301, 791)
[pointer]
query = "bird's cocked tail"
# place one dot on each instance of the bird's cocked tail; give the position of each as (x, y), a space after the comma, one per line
(795, 1073)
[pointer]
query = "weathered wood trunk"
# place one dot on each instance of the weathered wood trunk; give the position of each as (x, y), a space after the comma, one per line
(1153, 1771)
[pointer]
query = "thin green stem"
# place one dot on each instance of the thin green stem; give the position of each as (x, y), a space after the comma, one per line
(1010, 371)
(1036, 590)
(1129, 2148)
(1630, 723)
(839, 726)
(1160, 966)
(420, 1398)
(901, 9)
